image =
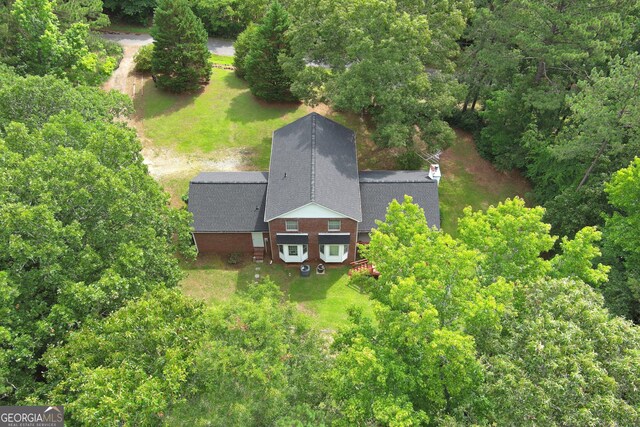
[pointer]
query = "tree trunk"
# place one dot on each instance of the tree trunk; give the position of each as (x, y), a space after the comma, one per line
(541, 70)
(475, 99)
(466, 101)
(588, 172)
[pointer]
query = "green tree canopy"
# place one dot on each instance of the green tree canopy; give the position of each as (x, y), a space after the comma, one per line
(180, 55)
(260, 64)
(41, 47)
(453, 317)
(84, 230)
(32, 100)
(164, 358)
(389, 59)
(622, 241)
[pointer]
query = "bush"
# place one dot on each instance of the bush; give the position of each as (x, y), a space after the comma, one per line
(466, 120)
(234, 258)
(143, 59)
(409, 160)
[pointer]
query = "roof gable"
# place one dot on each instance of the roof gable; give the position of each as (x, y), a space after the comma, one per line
(313, 160)
(312, 210)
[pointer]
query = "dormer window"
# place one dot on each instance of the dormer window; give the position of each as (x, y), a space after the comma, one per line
(291, 225)
(334, 225)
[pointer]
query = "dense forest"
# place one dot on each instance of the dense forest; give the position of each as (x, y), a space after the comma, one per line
(526, 317)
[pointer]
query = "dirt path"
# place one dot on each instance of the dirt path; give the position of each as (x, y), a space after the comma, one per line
(164, 163)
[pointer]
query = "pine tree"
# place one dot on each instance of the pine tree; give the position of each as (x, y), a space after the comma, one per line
(181, 56)
(262, 70)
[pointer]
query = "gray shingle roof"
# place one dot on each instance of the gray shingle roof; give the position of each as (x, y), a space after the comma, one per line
(313, 160)
(228, 201)
(379, 188)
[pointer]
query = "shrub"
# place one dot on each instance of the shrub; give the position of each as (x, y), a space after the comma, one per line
(466, 120)
(143, 59)
(234, 258)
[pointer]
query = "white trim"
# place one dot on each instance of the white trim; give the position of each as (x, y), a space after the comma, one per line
(292, 234)
(287, 214)
(334, 234)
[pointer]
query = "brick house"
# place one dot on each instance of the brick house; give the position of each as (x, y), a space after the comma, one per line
(312, 206)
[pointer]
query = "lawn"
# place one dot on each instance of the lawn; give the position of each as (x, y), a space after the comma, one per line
(469, 180)
(225, 116)
(221, 59)
(324, 298)
(222, 118)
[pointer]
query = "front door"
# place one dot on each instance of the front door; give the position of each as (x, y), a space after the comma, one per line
(258, 241)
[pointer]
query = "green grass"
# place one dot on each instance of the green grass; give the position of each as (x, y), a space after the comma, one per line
(324, 298)
(223, 116)
(220, 59)
(469, 180)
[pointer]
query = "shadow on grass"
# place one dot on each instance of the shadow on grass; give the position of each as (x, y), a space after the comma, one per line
(246, 108)
(156, 102)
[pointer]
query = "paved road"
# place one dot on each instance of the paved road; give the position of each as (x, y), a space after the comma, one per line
(217, 46)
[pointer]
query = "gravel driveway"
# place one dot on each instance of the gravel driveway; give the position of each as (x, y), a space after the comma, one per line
(217, 46)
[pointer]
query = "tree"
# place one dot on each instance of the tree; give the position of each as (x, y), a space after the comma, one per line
(33, 100)
(180, 56)
(42, 48)
(136, 10)
(531, 54)
(381, 58)
(252, 360)
(562, 346)
(260, 66)
(259, 363)
(241, 48)
(143, 59)
(131, 367)
(622, 241)
(228, 18)
(458, 321)
(85, 11)
(599, 137)
(76, 246)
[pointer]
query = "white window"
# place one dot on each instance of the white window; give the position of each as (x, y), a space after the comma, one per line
(334, 253)
(334, 225)
(293, 252)
(291, 225)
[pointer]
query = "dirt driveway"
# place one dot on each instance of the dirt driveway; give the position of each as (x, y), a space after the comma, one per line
(163, 163)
